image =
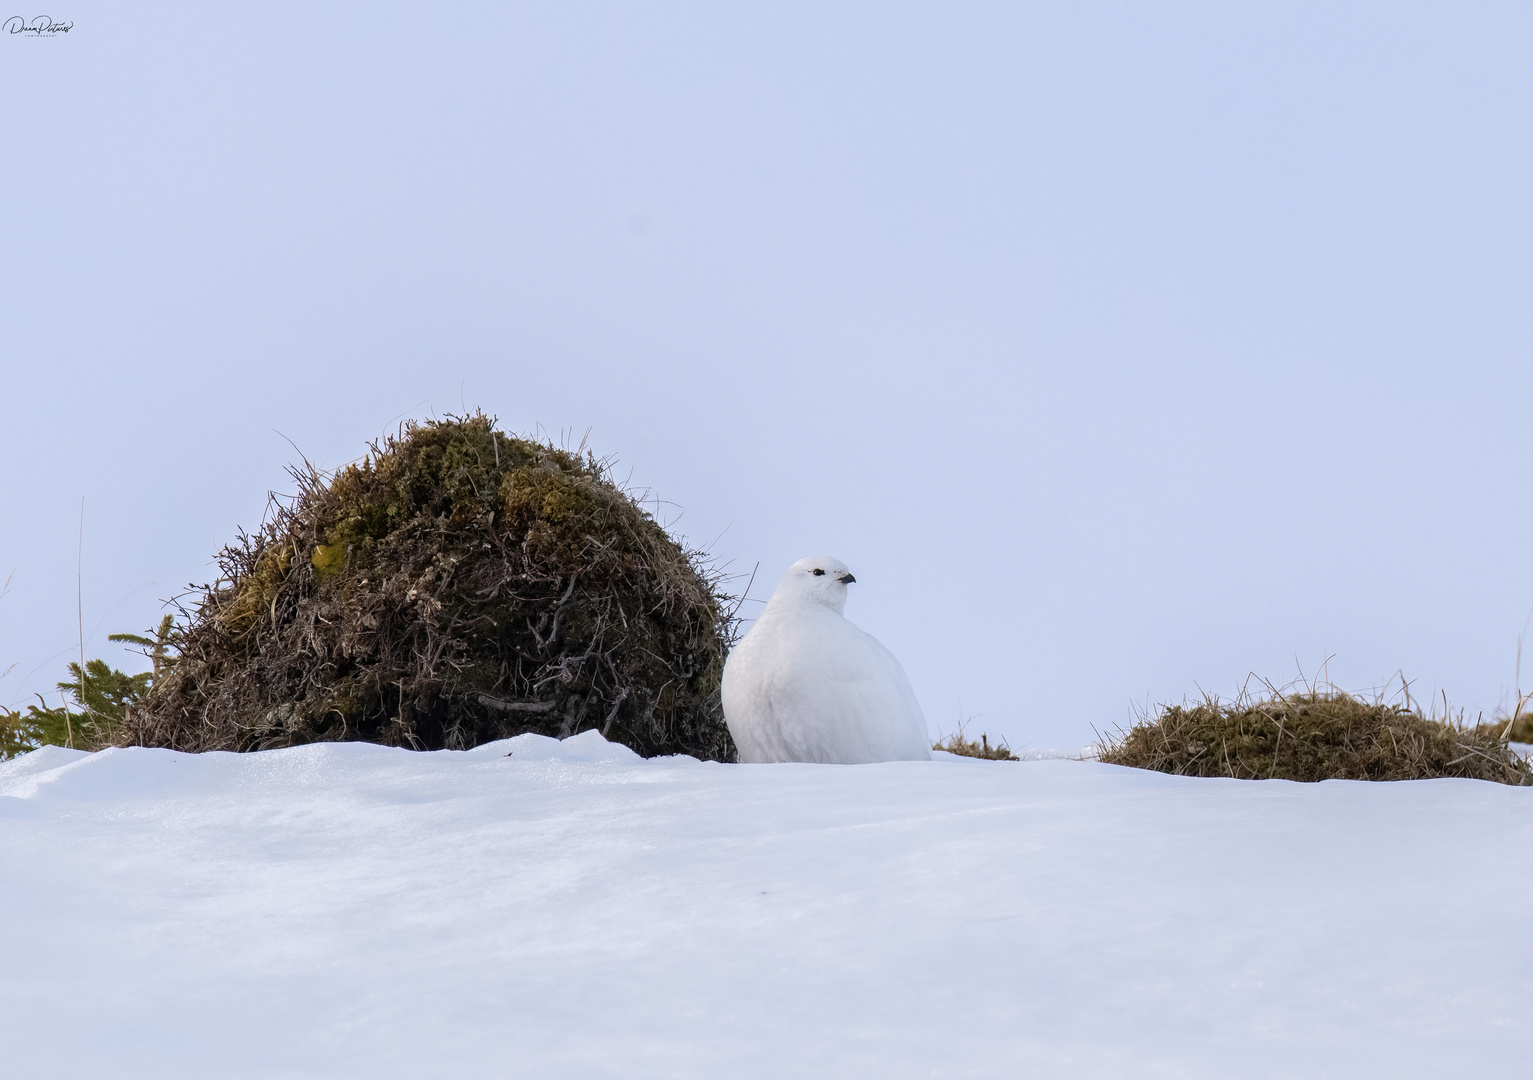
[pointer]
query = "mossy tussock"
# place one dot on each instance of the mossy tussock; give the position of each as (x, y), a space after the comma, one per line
(1309, 736)
(459, 585)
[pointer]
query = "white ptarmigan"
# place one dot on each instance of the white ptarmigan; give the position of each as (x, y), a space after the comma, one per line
(806, 685)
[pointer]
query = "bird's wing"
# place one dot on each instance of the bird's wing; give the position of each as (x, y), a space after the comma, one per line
(896, 700)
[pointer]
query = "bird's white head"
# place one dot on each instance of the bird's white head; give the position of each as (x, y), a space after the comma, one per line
(819, 579)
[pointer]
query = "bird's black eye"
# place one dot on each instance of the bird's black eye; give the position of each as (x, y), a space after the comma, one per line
(817, 572)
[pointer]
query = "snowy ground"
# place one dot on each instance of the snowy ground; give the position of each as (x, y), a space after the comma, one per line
(572, 911)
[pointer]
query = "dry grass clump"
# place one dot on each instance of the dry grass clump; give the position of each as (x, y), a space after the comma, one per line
(1516, 723)
(957, 743)
(1310, 735)
(458, 586)
(1518, 728)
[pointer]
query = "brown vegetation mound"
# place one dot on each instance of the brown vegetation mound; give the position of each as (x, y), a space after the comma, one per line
(1309, 736)
(457, 586)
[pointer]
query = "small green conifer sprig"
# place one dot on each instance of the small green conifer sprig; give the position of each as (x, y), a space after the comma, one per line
(101, 694)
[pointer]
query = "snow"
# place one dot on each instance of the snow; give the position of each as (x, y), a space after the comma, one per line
(572, 910)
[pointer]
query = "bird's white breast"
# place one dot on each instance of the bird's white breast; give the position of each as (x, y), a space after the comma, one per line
(807, 685)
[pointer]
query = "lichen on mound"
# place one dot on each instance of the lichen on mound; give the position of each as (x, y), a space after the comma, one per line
(457, 586)
(1309, 736)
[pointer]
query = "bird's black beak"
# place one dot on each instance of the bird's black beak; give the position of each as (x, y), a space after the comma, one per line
(846, 579)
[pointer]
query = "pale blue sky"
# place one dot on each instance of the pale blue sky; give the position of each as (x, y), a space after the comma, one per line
(1121, 350)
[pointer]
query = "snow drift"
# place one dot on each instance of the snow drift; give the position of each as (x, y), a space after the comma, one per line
(535, 908)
